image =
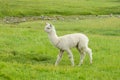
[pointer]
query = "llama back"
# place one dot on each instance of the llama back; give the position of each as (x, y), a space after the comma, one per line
(72, 40)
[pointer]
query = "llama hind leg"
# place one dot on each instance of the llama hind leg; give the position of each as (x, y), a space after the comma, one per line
(82, 56)
(89, 51)
(59, 57)
(70, 55)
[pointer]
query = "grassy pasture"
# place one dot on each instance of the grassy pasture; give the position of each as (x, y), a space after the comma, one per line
(26, 52)
(60, 7)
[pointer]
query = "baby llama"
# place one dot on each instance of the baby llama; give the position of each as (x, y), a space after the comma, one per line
(66, 42)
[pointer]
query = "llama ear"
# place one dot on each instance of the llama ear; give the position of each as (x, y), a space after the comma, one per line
(50, 25)
(47, 23)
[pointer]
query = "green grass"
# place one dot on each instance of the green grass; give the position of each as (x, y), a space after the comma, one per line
(27, 54)
(60, 7)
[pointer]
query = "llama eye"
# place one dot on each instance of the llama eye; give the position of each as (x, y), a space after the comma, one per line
(48, 27)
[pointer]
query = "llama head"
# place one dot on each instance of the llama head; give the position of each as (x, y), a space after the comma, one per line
(49, 28)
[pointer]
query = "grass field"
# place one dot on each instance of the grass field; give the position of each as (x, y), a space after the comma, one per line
(60, 7)
(27, 54)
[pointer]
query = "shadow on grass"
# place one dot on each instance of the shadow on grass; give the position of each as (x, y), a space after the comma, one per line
(116, 1)
(32, 58)
(4, 77)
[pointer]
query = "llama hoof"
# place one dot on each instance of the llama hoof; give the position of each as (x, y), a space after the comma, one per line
(55, 64)
(80, 64)
(72, 65)
(91, 63)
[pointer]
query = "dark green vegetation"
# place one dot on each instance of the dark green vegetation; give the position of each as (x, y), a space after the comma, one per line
(26, 52)
(58, 7)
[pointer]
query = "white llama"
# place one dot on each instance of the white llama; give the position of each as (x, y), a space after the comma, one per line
(64, 43)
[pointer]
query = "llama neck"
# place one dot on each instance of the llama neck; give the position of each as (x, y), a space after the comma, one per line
(53, 38)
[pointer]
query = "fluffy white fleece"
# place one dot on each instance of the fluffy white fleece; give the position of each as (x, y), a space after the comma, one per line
(66, 42)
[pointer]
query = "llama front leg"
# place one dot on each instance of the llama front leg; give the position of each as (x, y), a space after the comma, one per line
(70, 55)
(59, 57)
